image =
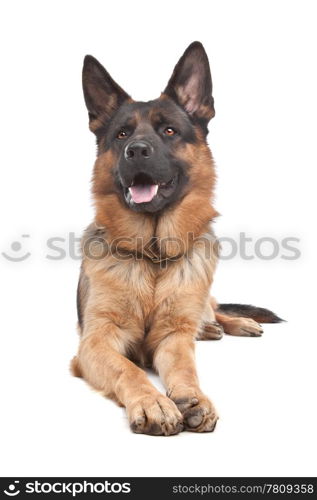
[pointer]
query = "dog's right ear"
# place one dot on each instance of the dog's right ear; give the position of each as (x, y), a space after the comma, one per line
(103, 96)
(190, 84)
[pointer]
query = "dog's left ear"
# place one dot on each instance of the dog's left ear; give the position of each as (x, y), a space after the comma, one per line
(103, 96)
(190, 84)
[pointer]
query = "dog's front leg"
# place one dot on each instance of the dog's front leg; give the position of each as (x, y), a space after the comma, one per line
(174, 360)
(102, 362)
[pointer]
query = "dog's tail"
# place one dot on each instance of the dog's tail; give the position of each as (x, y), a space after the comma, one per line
(259, 314)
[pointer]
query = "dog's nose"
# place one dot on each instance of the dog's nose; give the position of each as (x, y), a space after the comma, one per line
(138, 150)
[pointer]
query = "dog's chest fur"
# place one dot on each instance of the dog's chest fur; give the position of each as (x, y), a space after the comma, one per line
(136, 286)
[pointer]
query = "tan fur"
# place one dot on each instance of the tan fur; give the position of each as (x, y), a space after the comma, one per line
(241, 327)
(148, 310)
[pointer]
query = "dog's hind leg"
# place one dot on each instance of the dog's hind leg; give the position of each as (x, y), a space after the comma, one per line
(240, 327)
(243, 320)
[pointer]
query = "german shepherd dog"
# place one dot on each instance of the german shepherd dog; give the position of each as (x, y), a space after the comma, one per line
(150, 254)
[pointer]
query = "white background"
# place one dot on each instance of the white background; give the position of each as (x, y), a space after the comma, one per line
(263, 137)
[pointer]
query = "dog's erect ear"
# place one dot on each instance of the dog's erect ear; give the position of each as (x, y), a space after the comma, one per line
(103, 96)
(190, 84)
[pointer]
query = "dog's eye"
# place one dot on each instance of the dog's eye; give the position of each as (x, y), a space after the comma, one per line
(122, 134)
(170, 131)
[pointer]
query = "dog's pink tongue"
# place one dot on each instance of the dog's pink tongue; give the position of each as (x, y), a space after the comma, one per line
(143, 193)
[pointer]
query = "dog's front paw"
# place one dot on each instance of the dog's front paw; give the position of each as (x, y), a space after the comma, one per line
(156, 415)
(198, 412)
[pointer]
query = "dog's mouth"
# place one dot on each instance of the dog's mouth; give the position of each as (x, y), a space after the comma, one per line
(144, 189)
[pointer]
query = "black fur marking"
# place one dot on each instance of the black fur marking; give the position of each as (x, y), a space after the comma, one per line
(78, 303)
(258, 313)
(153, 117)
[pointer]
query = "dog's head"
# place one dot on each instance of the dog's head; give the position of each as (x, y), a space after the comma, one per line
(146, 150)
